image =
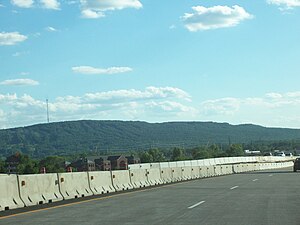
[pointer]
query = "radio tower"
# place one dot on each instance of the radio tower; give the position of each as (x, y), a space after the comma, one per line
(47, 110)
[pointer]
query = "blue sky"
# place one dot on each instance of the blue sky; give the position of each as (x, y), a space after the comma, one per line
(156, 61)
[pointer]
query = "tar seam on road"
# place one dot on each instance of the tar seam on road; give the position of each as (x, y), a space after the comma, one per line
(84, 201)
(193, 206)
(234, 187)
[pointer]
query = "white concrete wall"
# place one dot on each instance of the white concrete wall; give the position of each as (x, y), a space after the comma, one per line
(139, 178)
(100, 182)
(9, 193)
(154, 177)
(74, 185)
(38, 189)
(121, 180)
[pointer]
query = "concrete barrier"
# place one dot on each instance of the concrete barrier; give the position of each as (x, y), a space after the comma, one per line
(139, 178)
(195, 172)
(154, 165)
(186, 172)
(201, 162)
(74, 185)
(166, 174)
(100, 182)
(153, 176)
(177, 164)
(121, 180)
(188, 163)
(227, 169)
(176, 174)
(164, 165)
(9, 193)
(217, 170)
(38, 189)
(210, 171)
(203, 171)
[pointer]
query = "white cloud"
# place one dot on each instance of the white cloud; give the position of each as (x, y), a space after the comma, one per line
(97, 8)
(285, 4)
(11, 38)
(160, 102)
(90, 14)
(152, 104)
(47, 4)
(93, 70)
(50, 4)
(273, 109)
(19, 82)
(214, 17)
(23, 3)
(51, 29)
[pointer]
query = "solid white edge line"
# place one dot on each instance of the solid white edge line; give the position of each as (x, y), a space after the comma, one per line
(234, 187)
(193, 206)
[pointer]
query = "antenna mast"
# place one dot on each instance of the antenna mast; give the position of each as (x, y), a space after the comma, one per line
(47, 110)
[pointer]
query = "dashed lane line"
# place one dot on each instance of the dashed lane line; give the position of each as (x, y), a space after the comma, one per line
(234, 187)
(195, 205)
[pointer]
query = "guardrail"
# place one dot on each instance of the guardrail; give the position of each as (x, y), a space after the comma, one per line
(18, 191)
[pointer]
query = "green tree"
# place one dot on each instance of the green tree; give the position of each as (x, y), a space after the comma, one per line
(146, 157)
(2, 166)
(200, 154)
(53, 164)
(157, 155)
(27, 165)
(235, 150)
(178, 154)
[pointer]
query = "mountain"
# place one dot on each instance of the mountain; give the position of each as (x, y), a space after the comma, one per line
(88, 135)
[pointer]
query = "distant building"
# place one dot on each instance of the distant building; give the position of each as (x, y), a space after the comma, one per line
(118, 162)
(103, 164)
(83, 165)
(133, 159)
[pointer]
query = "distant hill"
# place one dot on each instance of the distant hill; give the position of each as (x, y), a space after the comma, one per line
(78, 136)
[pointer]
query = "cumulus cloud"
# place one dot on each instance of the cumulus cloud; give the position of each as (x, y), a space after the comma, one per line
(93, 70)
(272, 109)
(50, 4)
(11, 38)
(161, 102)
(90, 14)
(203, 18)
(285, 4)
(47, 4)
(97, 8)
(19, 82)
(23, 3)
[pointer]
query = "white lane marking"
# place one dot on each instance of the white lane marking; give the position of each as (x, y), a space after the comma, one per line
(193, 206)
(255, 180)
(234, 187)
(270, 175)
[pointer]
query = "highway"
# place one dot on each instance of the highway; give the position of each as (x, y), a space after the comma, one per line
(264, 197)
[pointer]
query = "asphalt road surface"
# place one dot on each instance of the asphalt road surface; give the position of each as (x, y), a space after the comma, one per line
(266, 197)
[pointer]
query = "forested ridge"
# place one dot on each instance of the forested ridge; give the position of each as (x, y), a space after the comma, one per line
(71, 137)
